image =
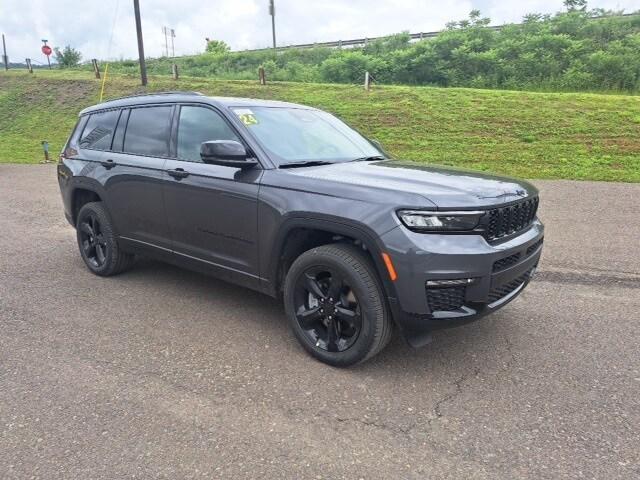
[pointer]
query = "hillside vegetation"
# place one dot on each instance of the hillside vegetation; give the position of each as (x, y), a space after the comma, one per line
(570, 51)
(533, 135)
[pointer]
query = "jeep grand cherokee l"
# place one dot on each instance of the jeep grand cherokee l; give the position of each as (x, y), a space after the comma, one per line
(288, 200)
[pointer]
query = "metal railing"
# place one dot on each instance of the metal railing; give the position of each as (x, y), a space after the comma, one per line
(356, 42)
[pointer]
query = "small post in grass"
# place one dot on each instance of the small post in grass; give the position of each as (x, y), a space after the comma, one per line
(261, 75)
(367, 81)
(174, 71)
(96, 69)
(29, 66)
(45, 149)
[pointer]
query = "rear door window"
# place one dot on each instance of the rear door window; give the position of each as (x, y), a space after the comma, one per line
(148, 131)
(98, 132)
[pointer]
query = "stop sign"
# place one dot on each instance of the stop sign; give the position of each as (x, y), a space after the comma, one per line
(46, 49)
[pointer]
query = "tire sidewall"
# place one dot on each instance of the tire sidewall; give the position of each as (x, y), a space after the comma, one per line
(370, 308)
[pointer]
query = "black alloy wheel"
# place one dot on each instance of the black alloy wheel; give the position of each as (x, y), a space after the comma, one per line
(97, 242)
(92, 240)
(327, 309)
(336, 305)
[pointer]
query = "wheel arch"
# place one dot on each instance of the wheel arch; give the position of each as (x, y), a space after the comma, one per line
(83, 192)
(299, 234)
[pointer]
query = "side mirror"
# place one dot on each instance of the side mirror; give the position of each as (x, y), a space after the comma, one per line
(228, 153)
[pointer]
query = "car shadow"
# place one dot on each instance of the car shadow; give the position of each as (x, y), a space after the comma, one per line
(461, 349)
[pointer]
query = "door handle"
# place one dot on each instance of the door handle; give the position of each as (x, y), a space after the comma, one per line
(108, 164)
(178, 173)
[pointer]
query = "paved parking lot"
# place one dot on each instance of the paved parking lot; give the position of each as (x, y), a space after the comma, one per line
(163, 373)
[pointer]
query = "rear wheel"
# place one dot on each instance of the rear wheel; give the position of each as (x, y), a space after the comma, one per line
(97, 242)
(335, 305)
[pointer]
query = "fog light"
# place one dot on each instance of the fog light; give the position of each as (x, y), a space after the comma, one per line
(450, 283)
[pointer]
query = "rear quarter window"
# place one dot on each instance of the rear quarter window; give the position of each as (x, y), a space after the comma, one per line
(98, 132)
(70, 148)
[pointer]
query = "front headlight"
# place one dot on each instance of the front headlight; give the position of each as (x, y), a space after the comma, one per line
(423, 221)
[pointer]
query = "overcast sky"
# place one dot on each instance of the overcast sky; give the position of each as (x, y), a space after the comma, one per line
(88, 24)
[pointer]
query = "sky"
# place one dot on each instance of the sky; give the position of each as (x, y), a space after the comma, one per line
(105, 29)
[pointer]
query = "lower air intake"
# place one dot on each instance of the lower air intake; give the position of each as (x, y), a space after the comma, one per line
(445, 299)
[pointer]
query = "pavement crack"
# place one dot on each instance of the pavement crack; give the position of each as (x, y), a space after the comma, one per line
(511, 352)
(394, 429)
(458, 383)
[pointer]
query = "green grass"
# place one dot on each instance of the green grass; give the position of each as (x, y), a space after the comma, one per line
(532, 135)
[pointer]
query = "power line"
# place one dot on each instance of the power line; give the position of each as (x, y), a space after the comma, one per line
(113, 28)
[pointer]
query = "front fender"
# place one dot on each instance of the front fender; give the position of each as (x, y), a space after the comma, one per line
(337, 226)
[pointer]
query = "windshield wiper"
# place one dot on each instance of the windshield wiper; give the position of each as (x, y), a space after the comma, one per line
(368, 159)
(306, 163)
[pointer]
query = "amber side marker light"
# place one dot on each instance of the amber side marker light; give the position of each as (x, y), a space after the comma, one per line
(392, 271)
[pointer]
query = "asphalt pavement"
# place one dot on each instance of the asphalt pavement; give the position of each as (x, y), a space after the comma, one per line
(165, 373)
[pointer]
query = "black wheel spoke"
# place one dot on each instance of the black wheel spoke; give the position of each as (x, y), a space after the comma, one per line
(313, 286)
(87, 247)
(100, 254)
(348, 316)
(309, 317)
(332, 336)
(335, 287)
(86, 229)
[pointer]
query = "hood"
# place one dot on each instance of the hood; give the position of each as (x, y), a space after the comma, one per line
(445, 187)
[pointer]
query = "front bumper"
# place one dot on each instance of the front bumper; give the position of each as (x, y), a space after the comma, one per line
(499, 271)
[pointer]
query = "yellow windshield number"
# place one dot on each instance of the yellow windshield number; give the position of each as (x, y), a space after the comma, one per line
(246, 116)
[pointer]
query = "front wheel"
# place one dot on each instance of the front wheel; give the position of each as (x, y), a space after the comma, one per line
(335, 305)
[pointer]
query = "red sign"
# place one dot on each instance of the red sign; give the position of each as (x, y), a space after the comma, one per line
(46, 49)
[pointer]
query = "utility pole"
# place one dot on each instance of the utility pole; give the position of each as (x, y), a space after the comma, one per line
(173, 48)
(165, 30)
(272, 12)
(5, 59)
(143, 67)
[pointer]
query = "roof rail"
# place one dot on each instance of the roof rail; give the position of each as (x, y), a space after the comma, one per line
(149, 94)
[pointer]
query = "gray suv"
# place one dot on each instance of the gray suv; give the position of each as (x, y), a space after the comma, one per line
(290, 201)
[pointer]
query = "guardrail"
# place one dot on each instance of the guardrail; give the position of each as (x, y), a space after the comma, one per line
(356, 42)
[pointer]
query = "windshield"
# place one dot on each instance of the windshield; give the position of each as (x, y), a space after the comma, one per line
(296, 135)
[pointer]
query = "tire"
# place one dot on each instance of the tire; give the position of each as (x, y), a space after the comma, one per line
(97, 242)
(361, 324)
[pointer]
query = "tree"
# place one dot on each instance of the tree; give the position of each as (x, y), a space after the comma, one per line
(217, 46)
(68, 57)
(574, 5)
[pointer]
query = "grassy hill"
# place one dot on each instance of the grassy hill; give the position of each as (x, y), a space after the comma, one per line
(533, 135)
(575, 51)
